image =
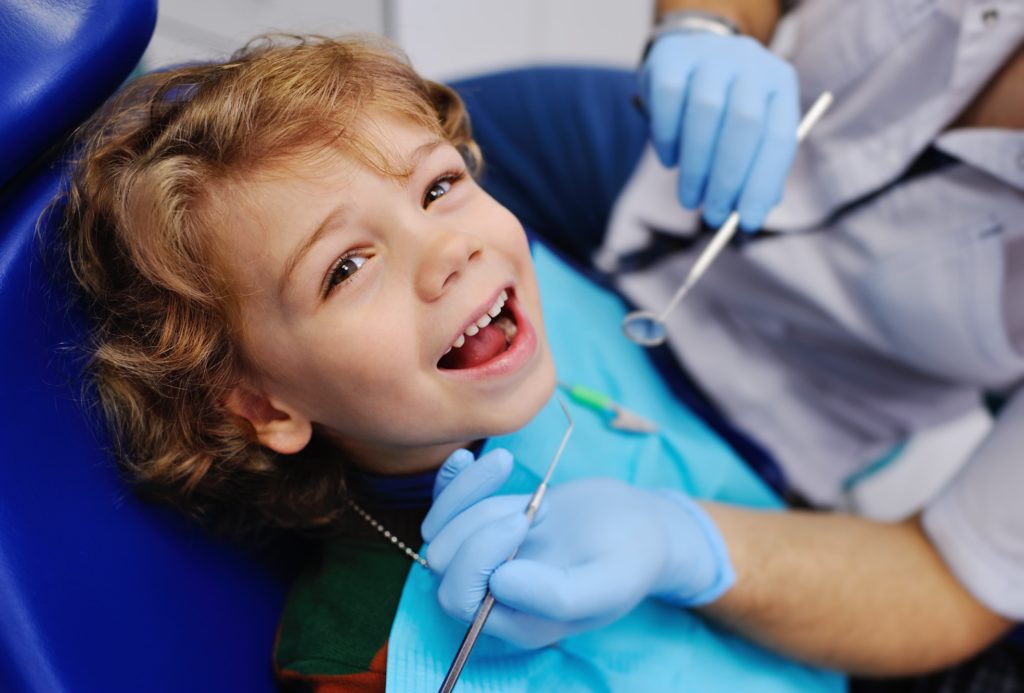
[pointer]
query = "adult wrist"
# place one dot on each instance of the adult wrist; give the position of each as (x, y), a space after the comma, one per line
(689, 22)
(697, 569)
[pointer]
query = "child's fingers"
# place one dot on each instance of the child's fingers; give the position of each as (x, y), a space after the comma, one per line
(471, 483)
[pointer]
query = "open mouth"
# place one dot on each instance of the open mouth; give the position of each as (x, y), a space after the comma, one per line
(485, 339)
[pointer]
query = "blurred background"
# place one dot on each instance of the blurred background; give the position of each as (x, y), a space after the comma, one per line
(445, 39)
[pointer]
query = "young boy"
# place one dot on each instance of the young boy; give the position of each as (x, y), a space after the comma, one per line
(304, 303)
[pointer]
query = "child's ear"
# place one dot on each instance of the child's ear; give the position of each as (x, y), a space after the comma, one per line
(278, 427)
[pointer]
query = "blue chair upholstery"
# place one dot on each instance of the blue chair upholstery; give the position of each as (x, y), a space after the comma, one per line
(98, 591)
(60, 59)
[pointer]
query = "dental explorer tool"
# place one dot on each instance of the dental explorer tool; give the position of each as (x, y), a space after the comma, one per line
(647, 328)
(477, 626)
(622, 419)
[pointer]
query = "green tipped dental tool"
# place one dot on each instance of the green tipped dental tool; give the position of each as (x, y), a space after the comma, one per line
(622, 419)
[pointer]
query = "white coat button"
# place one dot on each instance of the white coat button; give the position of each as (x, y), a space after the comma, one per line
(990, 16)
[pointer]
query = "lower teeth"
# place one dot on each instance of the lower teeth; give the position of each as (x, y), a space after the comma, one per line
(507, 327)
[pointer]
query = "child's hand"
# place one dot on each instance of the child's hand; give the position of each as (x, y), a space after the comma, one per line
(598, 548)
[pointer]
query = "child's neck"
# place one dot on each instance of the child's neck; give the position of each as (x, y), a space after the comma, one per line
(399, 461)
(407, 490)
(391, 491)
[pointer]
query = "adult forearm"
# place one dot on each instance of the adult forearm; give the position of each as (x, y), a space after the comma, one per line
(755, 18)
(848, 593)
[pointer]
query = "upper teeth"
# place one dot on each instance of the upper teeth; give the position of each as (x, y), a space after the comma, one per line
(481, 322)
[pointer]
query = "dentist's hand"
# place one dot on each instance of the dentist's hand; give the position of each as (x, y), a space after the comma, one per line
(725, 110)
(598, 548)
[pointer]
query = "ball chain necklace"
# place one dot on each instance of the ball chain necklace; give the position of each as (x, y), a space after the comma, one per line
(401, 545)
(577, 394)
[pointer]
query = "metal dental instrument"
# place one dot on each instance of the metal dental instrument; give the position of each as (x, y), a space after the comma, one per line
(477, 626)
(622, 419)
(647, 328)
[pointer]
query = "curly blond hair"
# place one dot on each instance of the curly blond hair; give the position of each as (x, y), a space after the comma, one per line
(164, 348)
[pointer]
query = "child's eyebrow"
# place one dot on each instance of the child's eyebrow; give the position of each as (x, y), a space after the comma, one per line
(330, 220)
(338, 213)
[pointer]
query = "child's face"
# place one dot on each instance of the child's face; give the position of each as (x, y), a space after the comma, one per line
(353, 286)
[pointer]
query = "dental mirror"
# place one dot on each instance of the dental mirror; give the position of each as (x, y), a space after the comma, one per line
(647, 328)
(644, 327)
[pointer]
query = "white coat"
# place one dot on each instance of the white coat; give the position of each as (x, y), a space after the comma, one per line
(886, 305)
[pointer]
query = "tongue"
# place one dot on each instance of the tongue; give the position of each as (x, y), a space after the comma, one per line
(480, 348)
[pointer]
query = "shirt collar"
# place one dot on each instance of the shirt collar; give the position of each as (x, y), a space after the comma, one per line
(997, 152)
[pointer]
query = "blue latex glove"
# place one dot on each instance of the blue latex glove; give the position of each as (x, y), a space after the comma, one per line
(459, 483)
(598, 547)
(725, 110)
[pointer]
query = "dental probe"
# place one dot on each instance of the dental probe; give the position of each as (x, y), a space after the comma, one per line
(622, 419)
(477, 626)
(647, 328)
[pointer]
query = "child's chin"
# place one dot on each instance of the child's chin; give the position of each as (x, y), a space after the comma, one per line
(529, 400)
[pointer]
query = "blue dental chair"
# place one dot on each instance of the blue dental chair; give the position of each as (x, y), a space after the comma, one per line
(98, 590)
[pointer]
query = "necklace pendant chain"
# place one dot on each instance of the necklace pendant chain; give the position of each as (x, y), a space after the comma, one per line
(399, 544)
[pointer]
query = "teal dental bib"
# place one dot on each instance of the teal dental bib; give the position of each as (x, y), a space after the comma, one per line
(656, 647)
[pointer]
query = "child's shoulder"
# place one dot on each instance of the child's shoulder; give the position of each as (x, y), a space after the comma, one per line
(335, 624)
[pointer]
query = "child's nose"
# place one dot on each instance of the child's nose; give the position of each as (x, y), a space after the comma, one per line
(444, 259)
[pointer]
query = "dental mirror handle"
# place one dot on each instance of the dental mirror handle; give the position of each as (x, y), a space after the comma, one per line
(727, 230)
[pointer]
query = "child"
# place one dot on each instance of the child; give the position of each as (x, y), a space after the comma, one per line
(304, 303)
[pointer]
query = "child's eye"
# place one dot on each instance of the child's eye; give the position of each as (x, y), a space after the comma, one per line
(342, 269)
(440, 187)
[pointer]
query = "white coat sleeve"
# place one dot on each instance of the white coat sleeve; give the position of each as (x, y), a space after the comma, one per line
(977, 522)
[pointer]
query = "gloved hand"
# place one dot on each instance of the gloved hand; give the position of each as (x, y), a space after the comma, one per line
(726, 110)
(460, 483)
(597, 548)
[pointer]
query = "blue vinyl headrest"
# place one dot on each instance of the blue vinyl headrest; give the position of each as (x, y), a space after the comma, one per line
(98, 590)
(59, 60)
